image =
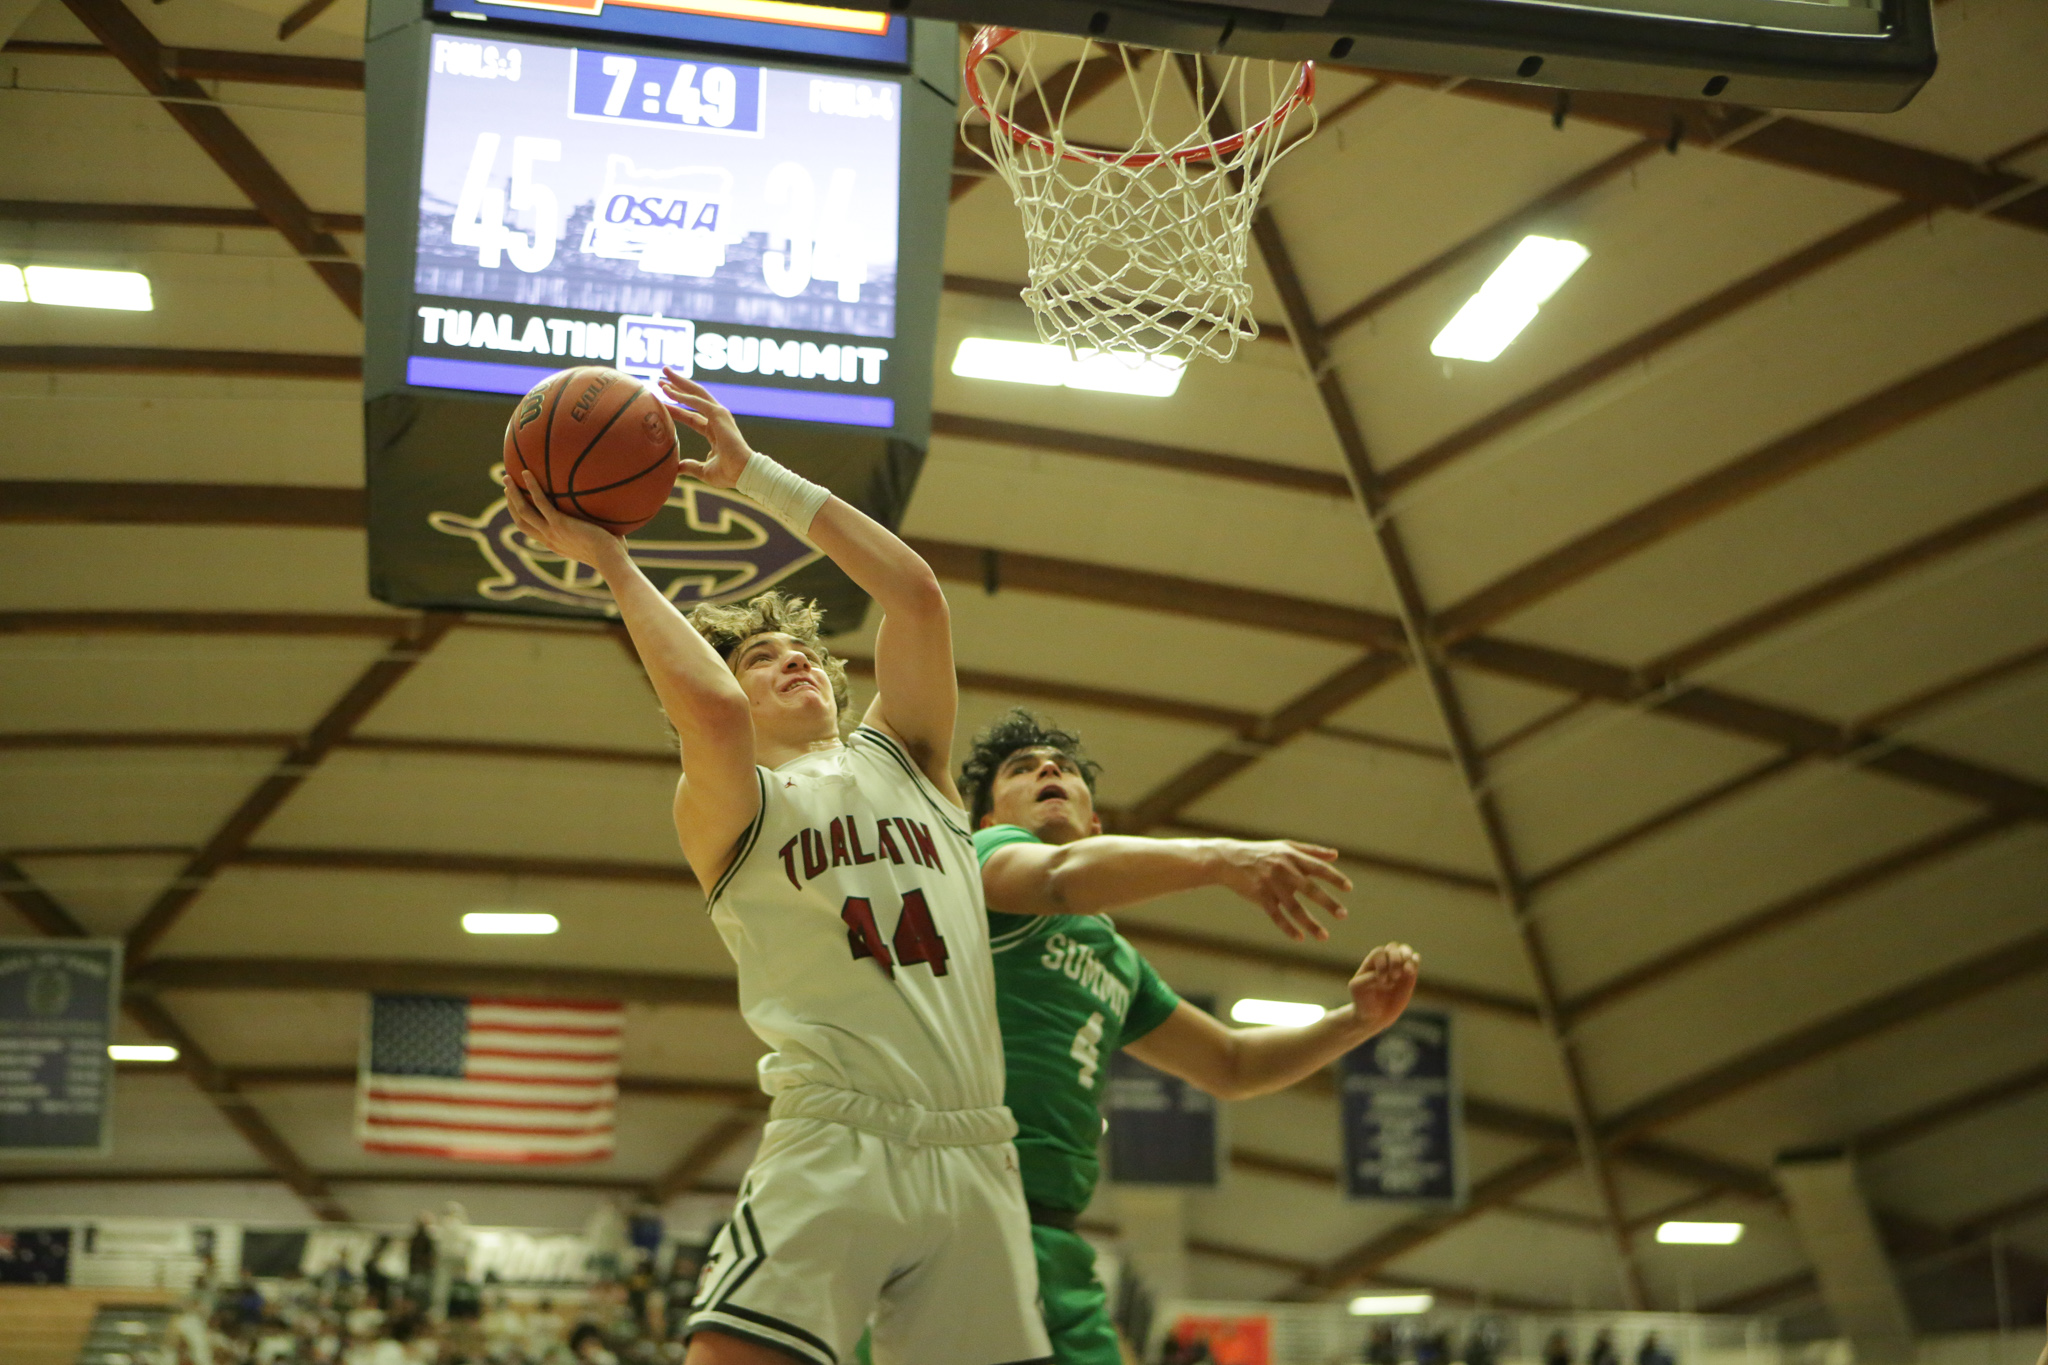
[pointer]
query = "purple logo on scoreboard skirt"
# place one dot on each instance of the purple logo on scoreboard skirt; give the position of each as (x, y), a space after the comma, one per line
(707, 545)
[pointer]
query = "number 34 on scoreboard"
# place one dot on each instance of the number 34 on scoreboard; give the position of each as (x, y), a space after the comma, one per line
(660, 92)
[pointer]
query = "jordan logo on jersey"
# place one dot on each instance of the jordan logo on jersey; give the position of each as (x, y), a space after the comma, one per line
(840, 845)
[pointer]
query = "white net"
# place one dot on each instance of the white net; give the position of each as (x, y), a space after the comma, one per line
(1139, 250)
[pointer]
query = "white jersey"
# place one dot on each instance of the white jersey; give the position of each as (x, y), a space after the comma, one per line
(854, 910)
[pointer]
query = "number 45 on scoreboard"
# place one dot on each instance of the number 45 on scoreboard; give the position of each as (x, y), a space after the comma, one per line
(612, 87)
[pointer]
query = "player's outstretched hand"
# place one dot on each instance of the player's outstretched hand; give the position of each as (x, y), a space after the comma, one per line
(1383, 984)
(569, 536)
(694, 406)
(1278, 874)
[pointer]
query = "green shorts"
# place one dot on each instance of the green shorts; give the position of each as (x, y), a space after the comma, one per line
(1075, 1305)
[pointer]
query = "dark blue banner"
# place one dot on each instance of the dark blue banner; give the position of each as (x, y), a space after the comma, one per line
(56, 1019)
(1162, 1130)
(1402, 1114)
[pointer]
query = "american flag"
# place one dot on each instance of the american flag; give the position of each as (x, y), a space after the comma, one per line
(489, 1079)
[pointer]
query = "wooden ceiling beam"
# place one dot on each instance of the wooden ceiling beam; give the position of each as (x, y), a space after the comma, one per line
(1265, 473)
(1658, 337)
(1163, 804)
(465, 864)
(1952, 690)
(1864, 877)
(157, 215)
(1915, 555)
(1866, 419)
(1709, 707)
(1787, 142)
(180, 504)
(191, 106)
(1379, 862)
(284, 623)
(1494, 236)
(37, 906)
(1903, 1005)
(402, 977)
(1730, 713)
(1165, 593)
(1905, 1128)
(712, 1147)
(214, 64)
(1673, 814)
(1430, 990)
(165, 360)
(247, 819)
(1417, 635)
(1371, 1256)
(55, 921)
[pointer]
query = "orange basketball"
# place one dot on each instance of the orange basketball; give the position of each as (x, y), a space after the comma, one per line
(600, 442)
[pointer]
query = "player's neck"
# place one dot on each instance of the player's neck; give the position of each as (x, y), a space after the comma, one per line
(772, 751)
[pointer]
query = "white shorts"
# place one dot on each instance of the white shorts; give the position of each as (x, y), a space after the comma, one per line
(836, 1224)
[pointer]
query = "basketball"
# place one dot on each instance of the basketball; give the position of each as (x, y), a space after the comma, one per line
(601, 444)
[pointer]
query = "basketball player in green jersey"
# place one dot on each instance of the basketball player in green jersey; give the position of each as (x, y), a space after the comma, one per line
(1070, 990)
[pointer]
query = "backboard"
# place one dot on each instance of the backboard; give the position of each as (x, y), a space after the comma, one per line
(1866, 55)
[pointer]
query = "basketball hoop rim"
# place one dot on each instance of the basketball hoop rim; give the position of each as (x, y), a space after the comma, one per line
(990, 37)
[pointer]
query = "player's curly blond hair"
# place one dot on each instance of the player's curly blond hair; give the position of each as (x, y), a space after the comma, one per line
(726, 628)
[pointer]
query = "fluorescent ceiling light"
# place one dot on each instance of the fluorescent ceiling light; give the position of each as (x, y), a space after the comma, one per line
(1700, 1234)
(510, 922)
(123, 289)
(1275, 1012)
(13, 289)
(1030, 362)
(1387, 1305)
(142, 1052)
(1508, 301)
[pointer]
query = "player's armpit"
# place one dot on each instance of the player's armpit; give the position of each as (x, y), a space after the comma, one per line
(712, 818)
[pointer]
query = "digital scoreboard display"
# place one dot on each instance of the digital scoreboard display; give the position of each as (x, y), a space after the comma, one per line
(777, 25)
(734, 220)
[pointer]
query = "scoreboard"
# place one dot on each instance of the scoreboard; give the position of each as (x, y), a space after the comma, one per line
(750, 191)
(725, 217)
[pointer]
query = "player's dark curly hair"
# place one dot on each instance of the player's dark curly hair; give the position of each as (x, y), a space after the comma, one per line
(1017, 729)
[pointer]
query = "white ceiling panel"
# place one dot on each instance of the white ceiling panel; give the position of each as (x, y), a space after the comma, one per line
(160, 568)
(1296, 544)
(294, 913)
(1853, 951)
(1741, 855)
(1348, 794)
(72, 798)
(111, 684)
(361, 799)
(1909, 483)
(1033, 635)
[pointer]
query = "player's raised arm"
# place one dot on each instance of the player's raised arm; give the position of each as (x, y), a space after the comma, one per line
(1108, 871)
(696, 689)
(1236, 1064)
(917, 695)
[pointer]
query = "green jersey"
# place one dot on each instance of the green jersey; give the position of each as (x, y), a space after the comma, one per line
(1070, 991)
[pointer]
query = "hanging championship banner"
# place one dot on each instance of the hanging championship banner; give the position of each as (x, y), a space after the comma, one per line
(1403, 1116)
(56, 1018)
(1162, 1131)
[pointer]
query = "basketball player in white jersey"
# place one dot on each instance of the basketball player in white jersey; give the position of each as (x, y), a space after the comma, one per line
(844, 881)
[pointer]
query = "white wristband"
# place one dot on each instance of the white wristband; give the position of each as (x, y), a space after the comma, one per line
(788, 495)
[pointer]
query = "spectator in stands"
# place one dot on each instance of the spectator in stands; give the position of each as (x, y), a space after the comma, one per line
(1652, 1352)
(1603, 1352)
(1380, 1346)
(1557, 1350)
(1480, 1348)
(586, 1345)
(375, 1281)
